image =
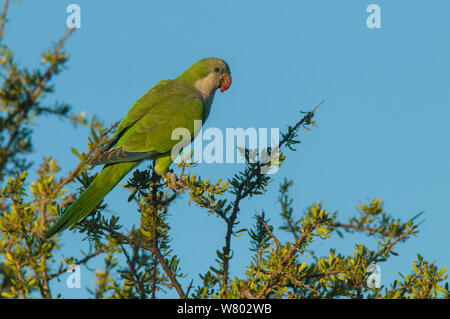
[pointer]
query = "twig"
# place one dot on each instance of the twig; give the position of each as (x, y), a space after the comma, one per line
(48, 74)
(25, 106)
(3, 17)
(80, 262)
(299, 283)
(265, 291)
(410, 281)
(247, 294)
(154, 251)
(277, 242)
(240, 194)
(80, 165)
(133, 272)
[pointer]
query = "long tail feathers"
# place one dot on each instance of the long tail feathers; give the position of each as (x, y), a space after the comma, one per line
(92, 196)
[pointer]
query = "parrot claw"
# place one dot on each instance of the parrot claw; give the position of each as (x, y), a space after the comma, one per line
(171, 180)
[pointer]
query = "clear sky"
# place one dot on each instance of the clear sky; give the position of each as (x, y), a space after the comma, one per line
(383, 131)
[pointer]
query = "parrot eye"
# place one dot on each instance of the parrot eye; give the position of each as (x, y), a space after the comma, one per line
(216, 69)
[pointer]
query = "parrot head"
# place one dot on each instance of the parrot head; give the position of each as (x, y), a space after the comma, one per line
(208, 75)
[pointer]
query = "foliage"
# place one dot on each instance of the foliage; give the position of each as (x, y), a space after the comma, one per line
(141, 263)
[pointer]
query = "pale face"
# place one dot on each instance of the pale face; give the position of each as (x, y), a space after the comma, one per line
(218, 77)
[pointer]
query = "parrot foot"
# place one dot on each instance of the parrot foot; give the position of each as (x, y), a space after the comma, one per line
(171, 180)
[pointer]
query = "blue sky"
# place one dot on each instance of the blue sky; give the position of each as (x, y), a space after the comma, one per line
(383, 131)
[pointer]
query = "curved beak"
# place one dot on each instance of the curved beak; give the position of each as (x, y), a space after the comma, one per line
(226, 82)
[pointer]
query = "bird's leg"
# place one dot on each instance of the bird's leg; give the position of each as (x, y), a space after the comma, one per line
(171, 180)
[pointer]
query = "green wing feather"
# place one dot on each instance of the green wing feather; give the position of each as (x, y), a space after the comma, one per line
(145, 103)
(178, 106)
(92, 196)
(120, 155)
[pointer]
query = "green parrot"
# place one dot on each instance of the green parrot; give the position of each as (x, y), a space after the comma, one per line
(146, 132)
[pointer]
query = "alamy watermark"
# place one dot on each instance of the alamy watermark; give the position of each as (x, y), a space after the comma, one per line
(229, 147)
(74, 18)
(74, 279)
(374, 280)
(374, 19)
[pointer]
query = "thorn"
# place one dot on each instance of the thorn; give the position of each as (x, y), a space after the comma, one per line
(419, 214)
(323, 101)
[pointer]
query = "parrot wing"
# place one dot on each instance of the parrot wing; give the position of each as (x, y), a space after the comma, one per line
(146, 131)
(141, 106)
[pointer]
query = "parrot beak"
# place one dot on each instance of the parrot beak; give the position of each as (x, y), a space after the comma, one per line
(226, 82)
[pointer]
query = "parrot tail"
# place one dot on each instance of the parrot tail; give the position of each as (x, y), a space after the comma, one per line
(92, 196)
